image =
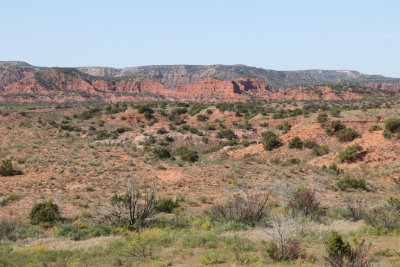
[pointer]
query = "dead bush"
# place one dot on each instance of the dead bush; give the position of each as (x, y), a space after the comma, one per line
(303, 200)
(286, 235)
(245, 206)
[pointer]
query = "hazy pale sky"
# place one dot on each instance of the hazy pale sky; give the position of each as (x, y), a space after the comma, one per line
(282, 35)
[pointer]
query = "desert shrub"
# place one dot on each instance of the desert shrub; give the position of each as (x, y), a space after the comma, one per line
(337, 248)
(342, 253)
(349, 182)
(201, 117)
(385, 218)
(7, 169)
(187, 154)
(374, 128)
(285, 128)
(355, 209)
(270, 140)
(210, 127)
(123, 130)
(264, 124)
(322, 117)
(102, 135)
(6, 228)
(386, 134)
(148, 115)
(397, 182)
(310, 143)
(46, 213)
(245, 143)
(293, 161)
(212, 258)
(145, 108)
(226, 133)
(334, 127)
(176, 120)
(178, 111)
(245, 125)
(347, 135)
(303, 200)
(296, 143)
(81, 231)
(275, 161)
(392, 125)
(162, 152)
(335, 112)
(247, 207)
(113, 109)
(196, 108)
(166, 204)
(351, 153)
(286, 236)
(335, 169)
(320, 150)
(162, 131)
(89, 113)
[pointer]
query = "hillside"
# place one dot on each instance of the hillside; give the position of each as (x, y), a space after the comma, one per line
(21, 82)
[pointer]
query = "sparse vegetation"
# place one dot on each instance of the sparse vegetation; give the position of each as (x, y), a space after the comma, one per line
(216, 211)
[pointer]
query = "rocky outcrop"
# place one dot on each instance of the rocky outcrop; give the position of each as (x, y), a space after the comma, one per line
(392, 86)
(68, 85)
(214, 88)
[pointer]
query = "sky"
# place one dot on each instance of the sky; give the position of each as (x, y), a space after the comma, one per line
(280, 34)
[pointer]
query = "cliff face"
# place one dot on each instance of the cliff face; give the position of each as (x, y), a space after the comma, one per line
(9, 75)
(26, 84)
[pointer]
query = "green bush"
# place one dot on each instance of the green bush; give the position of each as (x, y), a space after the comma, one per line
(187, 154)
(392, 125)
(374, 128)
(102, 135)
(166, 204)
(210, 127)
(347, 135)
(6, 168)
(320, 150)
(285, 128)
(162, 131)
(342, 253)
(335, 112)
(348, 182)
(89, 113)
(337, 248)
(322, 117)
(212, 258)
(46, 213)
(270, 140)
(293, 161)
(226, 133)
(162, 152)
(310, 143)
(264, 124)
(334, 127)
(385, 218)
(351, 153)
(71, 231)
(201, 117)
(296, 143)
